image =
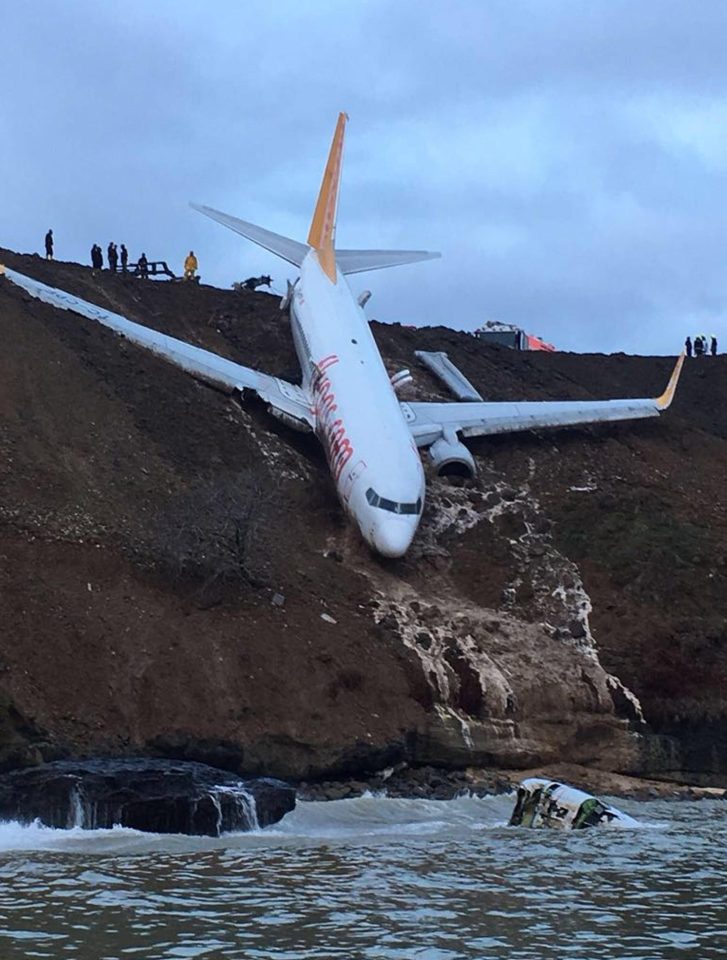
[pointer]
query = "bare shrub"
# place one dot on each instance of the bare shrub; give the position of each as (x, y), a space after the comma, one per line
(220, 531)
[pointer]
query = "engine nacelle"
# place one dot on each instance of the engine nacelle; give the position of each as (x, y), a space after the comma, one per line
(451, 458)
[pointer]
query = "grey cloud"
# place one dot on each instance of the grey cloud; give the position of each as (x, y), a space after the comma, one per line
(547, 149)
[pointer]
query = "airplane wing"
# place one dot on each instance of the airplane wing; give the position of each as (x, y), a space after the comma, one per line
(286, 400)
(429, 421)
(359, 261)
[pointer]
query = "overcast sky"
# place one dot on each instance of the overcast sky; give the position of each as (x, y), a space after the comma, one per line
(569, 159)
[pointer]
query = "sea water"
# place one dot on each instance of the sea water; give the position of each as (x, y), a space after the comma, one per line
(374, 878)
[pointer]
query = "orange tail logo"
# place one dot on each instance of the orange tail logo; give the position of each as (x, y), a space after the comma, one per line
(323, 227)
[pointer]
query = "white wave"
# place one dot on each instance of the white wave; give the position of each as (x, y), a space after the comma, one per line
(371, 816)
(366, 819)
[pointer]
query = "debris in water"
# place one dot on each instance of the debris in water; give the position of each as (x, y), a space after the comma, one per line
(547, 803)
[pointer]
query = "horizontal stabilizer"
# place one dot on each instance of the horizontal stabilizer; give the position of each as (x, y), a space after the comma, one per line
(359, 261)
(284, 247)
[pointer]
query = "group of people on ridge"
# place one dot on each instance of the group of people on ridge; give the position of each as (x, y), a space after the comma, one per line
(701, 346)
(118, 258)
(113, 254)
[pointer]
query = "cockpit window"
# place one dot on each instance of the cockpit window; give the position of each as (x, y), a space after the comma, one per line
(391, 505)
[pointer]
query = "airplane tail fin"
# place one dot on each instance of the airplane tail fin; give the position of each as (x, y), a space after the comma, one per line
(322, 232)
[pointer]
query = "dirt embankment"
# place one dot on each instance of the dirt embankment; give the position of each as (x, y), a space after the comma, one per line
(167, 554)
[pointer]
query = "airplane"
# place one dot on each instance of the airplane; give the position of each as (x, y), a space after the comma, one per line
(346, 397)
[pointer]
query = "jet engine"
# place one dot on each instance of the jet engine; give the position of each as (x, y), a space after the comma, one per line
(451, 458)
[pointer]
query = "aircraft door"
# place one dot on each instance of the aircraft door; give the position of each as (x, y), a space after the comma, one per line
(350, 478)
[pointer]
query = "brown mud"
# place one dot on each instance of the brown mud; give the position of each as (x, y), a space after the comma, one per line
(167, 554)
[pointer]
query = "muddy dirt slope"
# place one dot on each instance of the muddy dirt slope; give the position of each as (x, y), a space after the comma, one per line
(177, 577)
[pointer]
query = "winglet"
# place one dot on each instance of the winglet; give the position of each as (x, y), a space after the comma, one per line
(667, 396)
(323, 226)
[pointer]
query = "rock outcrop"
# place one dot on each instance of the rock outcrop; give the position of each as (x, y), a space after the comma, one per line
(178, 578)
(152, 795)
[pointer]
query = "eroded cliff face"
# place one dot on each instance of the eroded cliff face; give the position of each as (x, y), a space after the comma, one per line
(178, 578)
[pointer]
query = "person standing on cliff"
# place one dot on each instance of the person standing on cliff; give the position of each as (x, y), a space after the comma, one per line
(124, 258)
(713, 346)
(698, 346)
(49, 245)
(143, 267)
(688, 346)
(190, 266)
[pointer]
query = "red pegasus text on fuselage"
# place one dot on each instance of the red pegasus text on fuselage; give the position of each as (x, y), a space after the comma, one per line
(329, 426)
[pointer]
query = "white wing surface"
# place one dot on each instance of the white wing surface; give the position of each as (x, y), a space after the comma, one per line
(359, 261)
(285, 399)
(349, 261)
(429, 421)
(284, 247)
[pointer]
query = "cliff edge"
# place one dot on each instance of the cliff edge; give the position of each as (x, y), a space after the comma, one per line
(178, 579)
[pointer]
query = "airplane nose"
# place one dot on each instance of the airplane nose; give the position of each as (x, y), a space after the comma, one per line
(393, 536)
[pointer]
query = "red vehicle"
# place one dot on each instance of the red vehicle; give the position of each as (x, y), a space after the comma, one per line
(535, 343)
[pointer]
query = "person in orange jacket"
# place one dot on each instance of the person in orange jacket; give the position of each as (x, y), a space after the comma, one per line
(190, 266)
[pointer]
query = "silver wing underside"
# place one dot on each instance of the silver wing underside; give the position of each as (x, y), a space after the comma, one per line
(427, 421)
(290, 250)
(430, 421)
(348, 261)
(284, 398)
(359, 261)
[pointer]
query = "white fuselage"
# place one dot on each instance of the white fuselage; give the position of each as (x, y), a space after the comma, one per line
(373, 459)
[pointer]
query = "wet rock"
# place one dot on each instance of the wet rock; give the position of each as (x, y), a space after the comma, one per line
(158, 796)
(21, 742)
(542, 525)
(432, 615)
(388, 624)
